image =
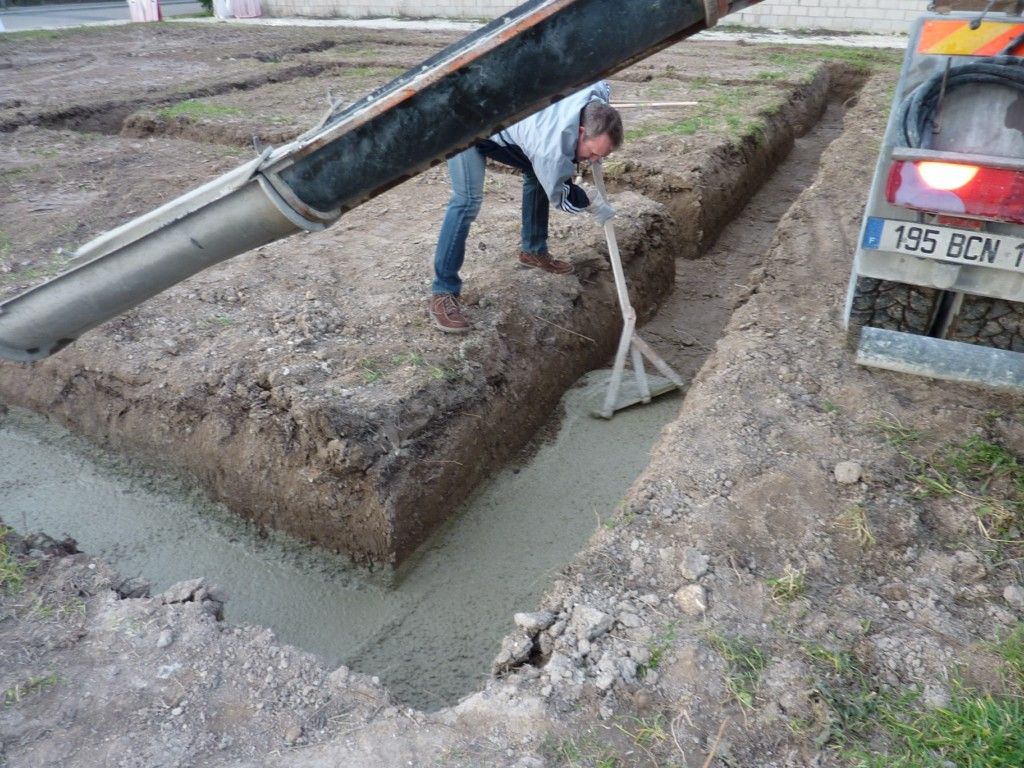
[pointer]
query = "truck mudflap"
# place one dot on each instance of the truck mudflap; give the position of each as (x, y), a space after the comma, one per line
(517, 64)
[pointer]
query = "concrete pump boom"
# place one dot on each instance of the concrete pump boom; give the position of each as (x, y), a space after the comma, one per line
(517, 64)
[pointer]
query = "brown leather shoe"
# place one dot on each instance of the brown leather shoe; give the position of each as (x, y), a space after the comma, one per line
(545, 262)
(447, 314)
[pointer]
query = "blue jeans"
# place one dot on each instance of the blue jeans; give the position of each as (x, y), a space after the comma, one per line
(467, 177)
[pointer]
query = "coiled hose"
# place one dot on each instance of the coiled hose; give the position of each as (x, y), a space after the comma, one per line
(918, 108)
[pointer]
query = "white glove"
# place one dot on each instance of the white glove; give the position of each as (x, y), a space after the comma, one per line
(601, 211)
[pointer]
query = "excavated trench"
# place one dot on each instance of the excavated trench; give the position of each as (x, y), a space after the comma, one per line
(430, 634)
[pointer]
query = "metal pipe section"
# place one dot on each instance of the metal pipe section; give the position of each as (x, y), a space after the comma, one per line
(508, 69)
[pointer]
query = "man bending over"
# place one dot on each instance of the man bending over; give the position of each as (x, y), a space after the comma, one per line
(546, 146)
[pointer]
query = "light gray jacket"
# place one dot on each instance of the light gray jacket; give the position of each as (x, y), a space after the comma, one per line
(548, 140)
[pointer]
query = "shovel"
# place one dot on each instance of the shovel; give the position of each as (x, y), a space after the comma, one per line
(640, 388)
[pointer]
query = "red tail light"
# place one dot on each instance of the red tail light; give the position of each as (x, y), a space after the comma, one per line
(958, 189)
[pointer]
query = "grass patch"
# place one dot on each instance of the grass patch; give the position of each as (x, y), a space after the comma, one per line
(850, 698)
(12, 573)
(727, 110)
(583, 752)
(864, 59)
(20, 691)
(658, 646)
(896, 433)
(855, 520)
(1011, 649)
(972, 730)
(981, 474)
(410, 359)
(372, 369)
(191, 108)
(744, 664)
(787, 587)
(894, 730)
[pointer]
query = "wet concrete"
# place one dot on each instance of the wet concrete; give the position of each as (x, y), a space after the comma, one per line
(431, 636)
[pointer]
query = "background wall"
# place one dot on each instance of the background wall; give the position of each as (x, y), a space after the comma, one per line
(848, 15)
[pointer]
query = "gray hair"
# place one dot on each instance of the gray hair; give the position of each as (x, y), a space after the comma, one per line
(600, 118)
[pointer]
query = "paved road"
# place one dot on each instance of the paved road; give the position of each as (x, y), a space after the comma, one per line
(78, 14)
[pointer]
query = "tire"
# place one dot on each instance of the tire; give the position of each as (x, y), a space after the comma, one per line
(989, 322)
(893, 306)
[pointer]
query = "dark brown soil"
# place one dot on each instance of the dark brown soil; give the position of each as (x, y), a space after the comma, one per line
(902, 593)
(302, 383)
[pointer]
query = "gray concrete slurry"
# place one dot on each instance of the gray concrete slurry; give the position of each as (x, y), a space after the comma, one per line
(432, 636)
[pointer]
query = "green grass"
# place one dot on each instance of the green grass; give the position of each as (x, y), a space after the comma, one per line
(982, 731)
(896, 433)
(191, 108)
(583, 752)
(735, 111)
(893, 729)
(855, 520)
(864, 59)
(787, 587)
(979, 473)
(41, 610)
(658, 646)
(12, 573)
(1011, 649)
(20, 691)
(372, 369)
(36, 35)
(410, 359)
(744, 664)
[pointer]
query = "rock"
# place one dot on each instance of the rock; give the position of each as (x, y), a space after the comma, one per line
(545, 644)
(693, 564)
(590, 623)
(535, 622)
(132, 587)
(339, 677)
(559, 666)
(968, 568)
(848, 472)
(182, 592)
(935, 697)
(605, 681)
(165, 639)
(515, 649)
(692, 599)
(640, 653)
(1014, 595)
(641, 700)
(630, 620)
(293, 734)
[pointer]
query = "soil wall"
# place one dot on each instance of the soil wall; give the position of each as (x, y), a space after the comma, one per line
(234, 380)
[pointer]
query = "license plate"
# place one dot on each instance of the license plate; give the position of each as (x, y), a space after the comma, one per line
(959, 246)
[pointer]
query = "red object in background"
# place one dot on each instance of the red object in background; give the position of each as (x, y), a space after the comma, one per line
(958, 189)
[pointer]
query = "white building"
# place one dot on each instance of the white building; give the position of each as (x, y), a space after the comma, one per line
(846, 15)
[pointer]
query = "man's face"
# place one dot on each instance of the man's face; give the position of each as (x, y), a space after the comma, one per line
(591, 148)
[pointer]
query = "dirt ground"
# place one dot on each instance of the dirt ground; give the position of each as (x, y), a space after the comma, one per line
(301, 383)
(786, 561)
